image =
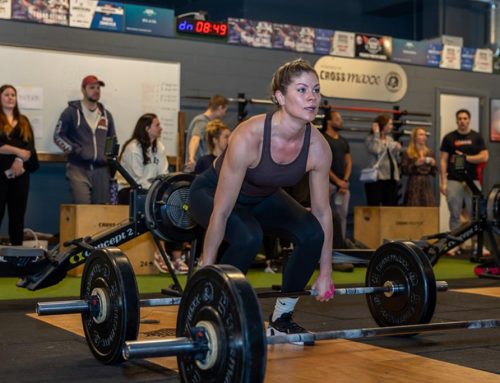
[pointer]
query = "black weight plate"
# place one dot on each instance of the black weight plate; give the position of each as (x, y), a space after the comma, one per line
(222, 296)
(493, 208)
(109, 270)
(406, 264)
(167, 208)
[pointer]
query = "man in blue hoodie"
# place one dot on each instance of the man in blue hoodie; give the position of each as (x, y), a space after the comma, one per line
(81, 133)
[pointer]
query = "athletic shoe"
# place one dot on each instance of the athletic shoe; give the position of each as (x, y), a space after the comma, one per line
(180, 267)
(285, 325)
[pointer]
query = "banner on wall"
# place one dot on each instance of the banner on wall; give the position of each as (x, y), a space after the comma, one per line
(467, 59)
(45, 12)
(97, 14)
(409, 51)
(434, 55)
(284, 36)
(483, 61)
(304, 41)
(373, 46)
(343, 44)
(450, 57)
(5, 9)
(257, 34)
(361, 79)
(322, 41)
(149, 20)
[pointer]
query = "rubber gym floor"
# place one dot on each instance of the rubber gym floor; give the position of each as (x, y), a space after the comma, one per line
(32, 350)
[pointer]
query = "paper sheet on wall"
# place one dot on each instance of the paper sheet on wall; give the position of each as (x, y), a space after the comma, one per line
(30, 97)
(37, 125)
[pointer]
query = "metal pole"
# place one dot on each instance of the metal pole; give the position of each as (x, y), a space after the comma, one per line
(159, 348)
(83, 306)
(389, 288)
(383, 331)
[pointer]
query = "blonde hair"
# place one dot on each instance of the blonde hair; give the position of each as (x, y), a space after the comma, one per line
(285, 74)
(412, 150)
(214, 130)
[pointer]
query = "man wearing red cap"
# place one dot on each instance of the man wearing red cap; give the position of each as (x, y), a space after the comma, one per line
(81, 133)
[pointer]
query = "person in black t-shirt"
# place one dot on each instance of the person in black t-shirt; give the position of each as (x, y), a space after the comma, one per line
(462, 141)
(340, 169)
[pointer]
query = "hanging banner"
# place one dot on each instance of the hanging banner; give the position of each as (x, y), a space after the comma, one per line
(373, 47)
(322, 41)
(483, 61)
(450, 57)
(409, 51)
(5, 9)
(149, 20)
(343, 44)
(45, 12)
(97, 14)
(361, 79)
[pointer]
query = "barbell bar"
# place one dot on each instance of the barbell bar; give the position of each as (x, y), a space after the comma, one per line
(388, 289)
(80, 306)
(170, 347)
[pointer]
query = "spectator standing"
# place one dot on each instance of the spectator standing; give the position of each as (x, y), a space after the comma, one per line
(18, 158)
(383, 148)
(197, 145)
(419, 164)
(81, 133)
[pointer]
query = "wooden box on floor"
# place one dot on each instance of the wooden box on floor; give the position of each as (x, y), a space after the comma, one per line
(78, 221)
(374, 224)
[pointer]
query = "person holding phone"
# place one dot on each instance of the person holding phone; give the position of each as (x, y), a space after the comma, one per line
(18, 158)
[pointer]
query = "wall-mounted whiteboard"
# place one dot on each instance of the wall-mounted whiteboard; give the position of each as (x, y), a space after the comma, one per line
(46, 80)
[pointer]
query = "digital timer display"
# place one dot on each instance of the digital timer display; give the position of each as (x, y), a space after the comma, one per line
(202, 27)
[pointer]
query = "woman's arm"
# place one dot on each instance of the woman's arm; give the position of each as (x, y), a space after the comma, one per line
(320, 157)
(242, 151)
(18, 152)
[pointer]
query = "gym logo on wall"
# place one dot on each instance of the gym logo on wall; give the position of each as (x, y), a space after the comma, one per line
(393, 82)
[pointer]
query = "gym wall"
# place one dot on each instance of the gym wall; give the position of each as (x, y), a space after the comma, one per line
(208, 68)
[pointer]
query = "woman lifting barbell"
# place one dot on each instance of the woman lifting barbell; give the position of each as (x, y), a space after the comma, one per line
(240, 198)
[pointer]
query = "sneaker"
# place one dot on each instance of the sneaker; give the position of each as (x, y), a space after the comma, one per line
(160, 263)
(180, 267)
(284, 325)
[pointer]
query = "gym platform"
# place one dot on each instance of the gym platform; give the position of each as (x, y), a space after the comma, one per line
(44, 349)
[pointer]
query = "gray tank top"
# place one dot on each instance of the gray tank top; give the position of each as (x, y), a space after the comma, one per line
(268, 176)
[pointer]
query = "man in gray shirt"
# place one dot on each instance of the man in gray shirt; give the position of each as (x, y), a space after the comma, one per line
(196, 137)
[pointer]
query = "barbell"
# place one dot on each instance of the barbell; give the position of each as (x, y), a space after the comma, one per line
(400, 289)
(221, 336)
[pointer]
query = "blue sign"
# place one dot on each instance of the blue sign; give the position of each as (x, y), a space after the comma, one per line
(467, 62)
(108, 16)
(409, 52)
(323, 41)
(434, 55)
(149, 20)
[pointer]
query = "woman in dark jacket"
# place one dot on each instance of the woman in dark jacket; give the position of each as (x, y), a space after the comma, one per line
(18, 159)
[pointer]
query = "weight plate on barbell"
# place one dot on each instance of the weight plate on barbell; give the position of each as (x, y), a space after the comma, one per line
(167, 208)
(493, 208)
(406, 264)
(109, 276)
(221, 296)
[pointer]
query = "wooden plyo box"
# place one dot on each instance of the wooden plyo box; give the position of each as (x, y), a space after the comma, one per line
(76, 221)
(373, 224)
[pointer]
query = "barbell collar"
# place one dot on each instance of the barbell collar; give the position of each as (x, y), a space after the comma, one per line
(81, 306)
(383, 331)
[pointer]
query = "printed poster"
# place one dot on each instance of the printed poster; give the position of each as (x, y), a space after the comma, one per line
(305, 39)
(343, 44)
(5, 9)
(149, 20)
(322, 41)
(409, 51)
(97, 14)
(373, 47)
(483, 61)
(284, 36)
(434, 51)
(44, 12)
(257, 34)
(450, 57)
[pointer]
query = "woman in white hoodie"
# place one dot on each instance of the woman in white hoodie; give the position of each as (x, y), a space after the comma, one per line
(144, 157)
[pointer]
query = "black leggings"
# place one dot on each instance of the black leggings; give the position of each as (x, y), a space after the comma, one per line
(252, 217)
(14, 195)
